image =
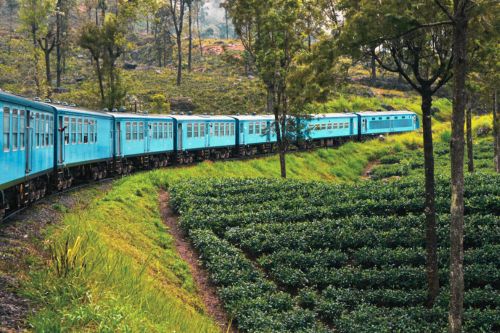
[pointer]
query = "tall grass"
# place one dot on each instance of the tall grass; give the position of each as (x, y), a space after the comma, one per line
(129, 277)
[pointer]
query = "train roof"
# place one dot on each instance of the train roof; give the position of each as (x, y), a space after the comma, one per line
(254, 117)
(332, 115)
(201, 117)
(385, 113)
(15, 99)
(139, 116)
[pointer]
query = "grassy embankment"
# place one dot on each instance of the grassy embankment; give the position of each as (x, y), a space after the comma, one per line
(123, 272)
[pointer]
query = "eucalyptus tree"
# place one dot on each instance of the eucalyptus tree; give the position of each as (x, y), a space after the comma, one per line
(272, 34)
(410, 38)
(178, 11)
(35, 17)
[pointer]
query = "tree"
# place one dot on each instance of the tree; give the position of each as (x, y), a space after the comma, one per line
(34, 16)
(190, 30)
(177, 11)
(271, 32)
(411, 39)
(12, 6)
(47, 43)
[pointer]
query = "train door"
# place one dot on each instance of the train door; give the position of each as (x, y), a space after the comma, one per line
(118, 134)
(179, 137)
(60, 140)
(29, 141)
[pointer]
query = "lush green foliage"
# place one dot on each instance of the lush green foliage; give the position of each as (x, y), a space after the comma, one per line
(352, 257)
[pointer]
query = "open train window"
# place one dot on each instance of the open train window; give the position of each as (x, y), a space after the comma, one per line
(6, 129)
(15, 130)
(86, 131)
(46, 127)
(250, 128)
(232, 129)
(335, 125)
(329, 126)
(91, 131)
(227, 129)
(141, 130)
(346, 125)
(189, 130)
(216, 129)
(22, 128)
(67, 130)
(257, 128)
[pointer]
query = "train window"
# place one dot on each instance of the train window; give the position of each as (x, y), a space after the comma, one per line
(95, 131)
(250, 128)
(86, 131)
(196, 133)
(6, 129)
(80, 131)
(387, 118)
(257, 128)
(329, 126)
(67, 130)
(263, 128)
(242, 128)
(216, 129)
(22, 128)
(46, 125)
(228, 131)
(155, 131)
(323, 126)
(346, 125)
(171, 129)
(141, 130)
(15, 130)
(189, 130)
(373, 119)
(51, 130)
(232, 129)
(133, 131)
(127, 131)
(202, 130)
(160, 131)
(341, 125)
(91, 130)
(37, 129)
(335, 125)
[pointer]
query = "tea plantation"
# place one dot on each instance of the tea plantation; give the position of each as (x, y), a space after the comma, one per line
(292, 256)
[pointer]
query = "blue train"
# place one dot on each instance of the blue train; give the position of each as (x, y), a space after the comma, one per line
(46, 146)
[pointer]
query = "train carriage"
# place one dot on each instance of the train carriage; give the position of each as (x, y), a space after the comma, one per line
(143, 140)
(374, 123)
(204, 137)
(27, 153)
(255, 133)
(325, 129)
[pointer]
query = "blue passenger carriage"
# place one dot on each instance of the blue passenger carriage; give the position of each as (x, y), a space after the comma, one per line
(326, 129)
(27, 153)
(373, 123)
(85, 143)
(202, 137)
(256, 134)
(145, 141)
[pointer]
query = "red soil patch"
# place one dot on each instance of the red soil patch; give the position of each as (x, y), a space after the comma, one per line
(206, 289)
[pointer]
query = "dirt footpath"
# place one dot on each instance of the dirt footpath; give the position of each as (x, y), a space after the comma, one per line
(206, 289)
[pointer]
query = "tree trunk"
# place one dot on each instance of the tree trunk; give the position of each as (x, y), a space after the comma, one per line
(199, 32)
(457, 167)
(47, 67)
(58, 48)
(430, 201)
(99, 77)
(373, 66)
(179, 59)
(470, 146)
(272, 109)
(496, 132)
(227, 24)
(35, 59)
(190, 27)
